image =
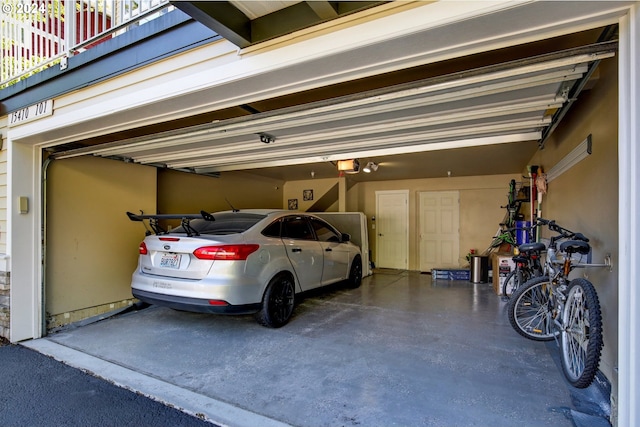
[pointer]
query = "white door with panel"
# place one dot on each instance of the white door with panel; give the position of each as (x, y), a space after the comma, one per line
(439, 229)
(392, 229)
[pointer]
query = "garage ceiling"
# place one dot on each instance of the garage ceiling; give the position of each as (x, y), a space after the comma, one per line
(498, 112)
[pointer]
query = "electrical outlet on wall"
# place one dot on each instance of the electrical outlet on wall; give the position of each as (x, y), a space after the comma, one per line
(23, 204)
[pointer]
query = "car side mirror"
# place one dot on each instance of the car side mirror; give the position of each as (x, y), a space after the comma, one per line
(346, 237)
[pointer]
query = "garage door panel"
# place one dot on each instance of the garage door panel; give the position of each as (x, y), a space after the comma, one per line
(507, 102)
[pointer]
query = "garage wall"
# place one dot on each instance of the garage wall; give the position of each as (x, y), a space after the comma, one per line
(585, 198)
(294, 190)
(480, 212)
(91, 246)
(182, 192)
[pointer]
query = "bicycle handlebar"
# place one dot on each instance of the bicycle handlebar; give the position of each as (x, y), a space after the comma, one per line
(564, 233)
(515, 203)
(531, 227)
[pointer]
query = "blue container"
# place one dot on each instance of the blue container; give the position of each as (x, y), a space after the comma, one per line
(522, 235)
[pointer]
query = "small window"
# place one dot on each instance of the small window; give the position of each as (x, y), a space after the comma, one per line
(324, 231)
(297, 227)
(273, 229)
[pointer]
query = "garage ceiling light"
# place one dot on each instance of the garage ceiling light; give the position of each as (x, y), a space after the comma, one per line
(370, 167)
(349, 166)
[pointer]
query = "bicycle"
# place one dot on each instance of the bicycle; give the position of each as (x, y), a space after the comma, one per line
(527, 264)
(505, 235)
(552, 305)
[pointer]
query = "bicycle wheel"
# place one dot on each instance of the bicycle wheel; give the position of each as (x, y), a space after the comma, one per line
(509, 284)
(581, 338)
(513, 281)
(531, 310)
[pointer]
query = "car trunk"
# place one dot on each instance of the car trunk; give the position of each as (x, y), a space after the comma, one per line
(174, 255)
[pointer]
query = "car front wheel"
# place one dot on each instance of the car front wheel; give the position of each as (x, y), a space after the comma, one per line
(277, 302)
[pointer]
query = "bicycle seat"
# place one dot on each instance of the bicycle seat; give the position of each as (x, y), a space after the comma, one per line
(580, 236)
(521, 259)
(531, 247)
(575, 246)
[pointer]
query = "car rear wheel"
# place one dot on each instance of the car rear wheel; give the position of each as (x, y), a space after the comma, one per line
(277, 302)
(355, 274)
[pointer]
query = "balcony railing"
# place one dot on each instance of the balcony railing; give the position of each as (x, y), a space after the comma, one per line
(37, 34)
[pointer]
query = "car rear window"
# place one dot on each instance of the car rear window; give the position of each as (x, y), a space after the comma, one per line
(225, 223)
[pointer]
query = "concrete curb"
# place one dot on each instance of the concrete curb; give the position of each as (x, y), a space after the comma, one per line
(203, 407)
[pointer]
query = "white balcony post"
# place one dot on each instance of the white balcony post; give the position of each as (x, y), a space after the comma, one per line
(69, 40)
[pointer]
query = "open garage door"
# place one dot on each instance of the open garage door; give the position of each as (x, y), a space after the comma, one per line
(503, 105)
(500, 104)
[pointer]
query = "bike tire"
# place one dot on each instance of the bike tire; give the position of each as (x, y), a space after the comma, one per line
(531, 310)
(508, 285)
(513, 281)
(581, 338)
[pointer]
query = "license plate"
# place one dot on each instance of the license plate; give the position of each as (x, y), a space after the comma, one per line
(170, 261)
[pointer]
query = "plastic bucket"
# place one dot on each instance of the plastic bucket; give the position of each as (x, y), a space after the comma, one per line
(522, 234)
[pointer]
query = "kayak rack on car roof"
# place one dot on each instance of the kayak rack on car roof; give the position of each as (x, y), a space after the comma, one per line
(185, 219)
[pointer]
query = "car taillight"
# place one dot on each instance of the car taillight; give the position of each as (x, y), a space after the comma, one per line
(170, 239)
(143, 249)
(225, 252)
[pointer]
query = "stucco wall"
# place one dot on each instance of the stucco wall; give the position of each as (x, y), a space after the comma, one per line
(295, 190)
(91, 245)
(480, 212)
(585, 198)
(181, 192)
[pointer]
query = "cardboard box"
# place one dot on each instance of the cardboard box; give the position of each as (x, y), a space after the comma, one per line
(502, 264)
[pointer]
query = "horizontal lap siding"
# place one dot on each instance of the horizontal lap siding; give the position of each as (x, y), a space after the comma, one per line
(3, 202)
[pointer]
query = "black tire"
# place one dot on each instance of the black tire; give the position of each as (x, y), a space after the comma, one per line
(581, 339)
(355, 274)
(509, 285)
(514, 281)
(277, 302)
(531, 311)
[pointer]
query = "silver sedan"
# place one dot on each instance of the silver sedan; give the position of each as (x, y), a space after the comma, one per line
(238, 262)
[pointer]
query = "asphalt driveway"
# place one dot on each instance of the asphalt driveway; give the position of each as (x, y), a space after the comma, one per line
(36, 390)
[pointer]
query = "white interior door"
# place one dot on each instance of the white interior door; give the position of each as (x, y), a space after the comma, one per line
(439, 229)
(392, 229)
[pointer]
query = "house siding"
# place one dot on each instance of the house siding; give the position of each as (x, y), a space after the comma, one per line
(5, 282)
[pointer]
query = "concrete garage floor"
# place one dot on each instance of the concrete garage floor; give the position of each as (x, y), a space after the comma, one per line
(402, 350)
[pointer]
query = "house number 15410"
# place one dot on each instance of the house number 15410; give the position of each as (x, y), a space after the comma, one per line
(32, 112)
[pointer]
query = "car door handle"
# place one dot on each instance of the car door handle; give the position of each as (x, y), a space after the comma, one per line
(328, 250)
(296, 250)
